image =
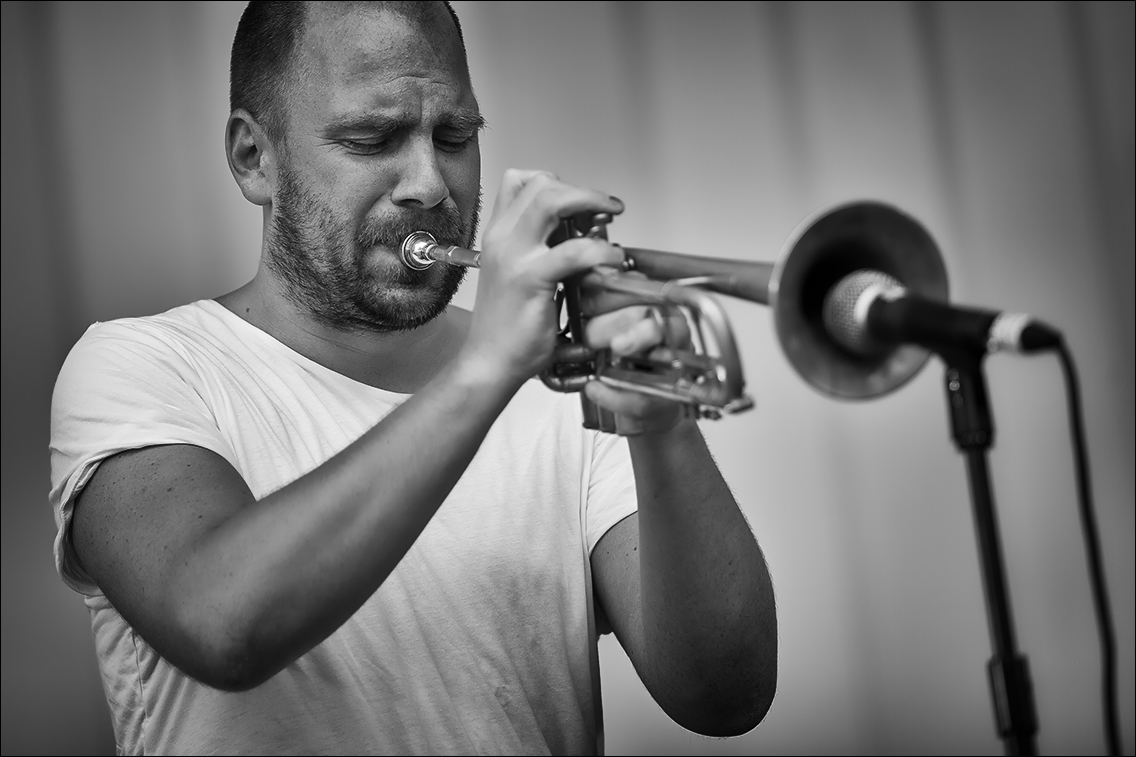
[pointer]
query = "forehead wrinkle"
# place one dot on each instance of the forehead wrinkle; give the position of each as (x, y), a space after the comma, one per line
(402, 105)
(385, 121)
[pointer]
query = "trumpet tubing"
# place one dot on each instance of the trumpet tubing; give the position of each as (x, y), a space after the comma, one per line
(735, 278)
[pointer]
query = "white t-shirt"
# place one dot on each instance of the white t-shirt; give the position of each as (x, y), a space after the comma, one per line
(482, 640)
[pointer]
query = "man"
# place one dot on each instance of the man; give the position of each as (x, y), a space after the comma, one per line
(328, 512)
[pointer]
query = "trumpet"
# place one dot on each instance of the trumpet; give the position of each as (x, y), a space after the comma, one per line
(706, 374)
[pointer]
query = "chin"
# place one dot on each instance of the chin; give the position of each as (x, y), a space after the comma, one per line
(400, 307)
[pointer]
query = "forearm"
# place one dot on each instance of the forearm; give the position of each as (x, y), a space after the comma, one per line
(283, 573)
(708, 615)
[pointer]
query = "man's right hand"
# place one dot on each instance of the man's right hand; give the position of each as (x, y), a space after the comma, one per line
(512, 332)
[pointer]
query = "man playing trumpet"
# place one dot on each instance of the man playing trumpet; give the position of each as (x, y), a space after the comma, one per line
(329, 512)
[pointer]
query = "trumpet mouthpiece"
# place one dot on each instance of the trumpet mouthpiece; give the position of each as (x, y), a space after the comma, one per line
(416, 249)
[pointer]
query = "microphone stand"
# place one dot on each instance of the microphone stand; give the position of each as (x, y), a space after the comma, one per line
(973, 431)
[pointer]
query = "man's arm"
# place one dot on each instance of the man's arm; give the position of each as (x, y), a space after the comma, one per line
(230, 589)
(683, 583)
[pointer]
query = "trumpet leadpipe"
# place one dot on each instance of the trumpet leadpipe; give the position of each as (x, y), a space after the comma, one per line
(735, 278)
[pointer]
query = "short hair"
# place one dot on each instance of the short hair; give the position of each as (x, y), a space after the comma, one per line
(263, 53)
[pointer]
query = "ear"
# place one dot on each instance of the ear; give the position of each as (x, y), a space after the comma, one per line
(251, 155)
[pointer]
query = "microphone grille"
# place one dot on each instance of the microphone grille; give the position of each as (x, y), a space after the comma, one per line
(844, 312)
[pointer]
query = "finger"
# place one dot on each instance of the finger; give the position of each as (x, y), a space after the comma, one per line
(574, 256)
(514, 181)
(675, 325)
(644, 335)
(624, 330)
(623, 402)
(539, 206)
(646, 327)
(637, 413)
(596, 298)
(514, 195)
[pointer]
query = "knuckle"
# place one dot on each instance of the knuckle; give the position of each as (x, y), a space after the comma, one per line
(541, 182)
(636, 403)
(545, 201)
(570, 251)
(525, 179)
(512, 181)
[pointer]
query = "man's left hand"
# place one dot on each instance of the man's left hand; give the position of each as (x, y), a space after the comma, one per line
(636, 330)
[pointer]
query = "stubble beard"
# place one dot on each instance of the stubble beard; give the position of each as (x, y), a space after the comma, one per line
(339, 277)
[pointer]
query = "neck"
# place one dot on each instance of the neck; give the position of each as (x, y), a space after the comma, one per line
(400, 361)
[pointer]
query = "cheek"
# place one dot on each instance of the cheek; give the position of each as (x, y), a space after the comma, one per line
(463, 177)
(349, 188)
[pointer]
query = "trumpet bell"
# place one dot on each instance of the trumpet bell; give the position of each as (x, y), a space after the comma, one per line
(824, 249)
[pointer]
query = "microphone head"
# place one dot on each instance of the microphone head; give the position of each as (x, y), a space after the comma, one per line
(844, 312)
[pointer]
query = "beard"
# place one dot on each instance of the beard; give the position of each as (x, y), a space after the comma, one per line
(342, 280)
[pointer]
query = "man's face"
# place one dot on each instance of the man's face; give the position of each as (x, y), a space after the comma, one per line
(381, 139)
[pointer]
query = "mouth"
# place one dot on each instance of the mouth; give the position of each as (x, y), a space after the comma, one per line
(381, 241)
(381, 263)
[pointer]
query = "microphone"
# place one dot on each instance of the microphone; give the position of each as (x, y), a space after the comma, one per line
(868, 313)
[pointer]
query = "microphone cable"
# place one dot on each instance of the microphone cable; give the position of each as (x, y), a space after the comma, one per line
(1092, 547)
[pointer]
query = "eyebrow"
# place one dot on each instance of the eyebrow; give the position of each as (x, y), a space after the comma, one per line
(461, 121)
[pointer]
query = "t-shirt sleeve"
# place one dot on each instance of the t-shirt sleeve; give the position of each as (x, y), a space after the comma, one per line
(122, 387)
(611, 488)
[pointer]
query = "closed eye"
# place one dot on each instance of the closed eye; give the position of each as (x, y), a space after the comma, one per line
(361, 147)
(450, 143)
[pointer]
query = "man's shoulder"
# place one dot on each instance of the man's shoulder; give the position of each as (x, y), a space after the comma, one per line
(184, 320)
(136, 349)
(174, 333)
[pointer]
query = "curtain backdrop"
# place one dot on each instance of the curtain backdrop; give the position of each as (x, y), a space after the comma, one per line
(1006, 128)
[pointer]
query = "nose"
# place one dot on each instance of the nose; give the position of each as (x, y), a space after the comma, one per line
(420, 181)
